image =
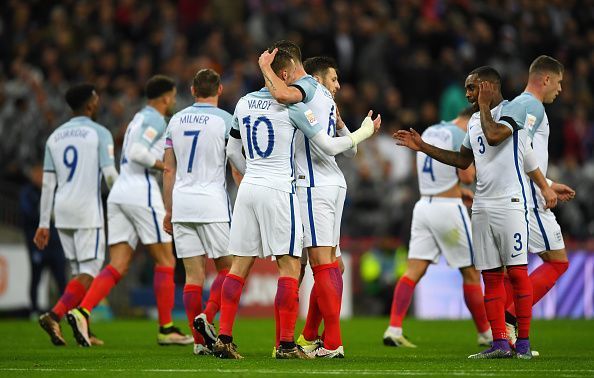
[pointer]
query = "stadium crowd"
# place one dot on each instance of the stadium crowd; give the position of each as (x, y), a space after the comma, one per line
(405, 59)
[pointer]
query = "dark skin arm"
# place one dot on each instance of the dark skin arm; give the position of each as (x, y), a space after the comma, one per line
(411, 139)
(494, 132)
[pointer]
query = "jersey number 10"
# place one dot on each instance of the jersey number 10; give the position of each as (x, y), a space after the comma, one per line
(252, 139)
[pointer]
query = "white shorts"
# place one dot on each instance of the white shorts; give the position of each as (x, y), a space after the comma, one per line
(500, 238)
(545, 232)
(265, 222)
(197, 239)
(321, 214)
(84, 249)
(441, 226)
(128, 223)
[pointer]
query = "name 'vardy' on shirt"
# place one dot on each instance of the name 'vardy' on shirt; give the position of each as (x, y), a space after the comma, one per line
(259, 104)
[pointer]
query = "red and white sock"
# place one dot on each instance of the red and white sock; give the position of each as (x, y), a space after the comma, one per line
(230, 296)
(518, 276)
(328, 280)
(100, 288)
(495, 303)
(473, 296)
(287, 302)
(73, 294)
(403, 292)
(193, 306)
(314, 317)
(164, 293)
(214, 299)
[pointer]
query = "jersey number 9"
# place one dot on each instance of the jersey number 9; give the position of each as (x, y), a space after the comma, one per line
(70, 160)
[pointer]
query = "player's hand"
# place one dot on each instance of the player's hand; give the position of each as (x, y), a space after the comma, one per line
(266, 58)
(377, 122)
(41, 238)
(167, 225)
(564, 192)
(550, 198)
(410, 139)
(339, 122)
(467, 196)
(486, 93)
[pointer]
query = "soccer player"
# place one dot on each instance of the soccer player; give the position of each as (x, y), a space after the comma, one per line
(198, 212)
(77, 155)
(501, 154)
(321, 190)
(266, 220)
(135, 211)
(544, 84)
(440, 225)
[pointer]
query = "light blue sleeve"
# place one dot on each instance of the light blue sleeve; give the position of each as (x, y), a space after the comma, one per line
(229, 122)
(304, 119)
(152, 128)
(307, 85)
(458, 137)
(513, 114)
(536, 112)
(106, 157)
(466, 142)
(48, 161)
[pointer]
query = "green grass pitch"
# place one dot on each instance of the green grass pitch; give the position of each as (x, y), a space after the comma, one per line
(566, 348)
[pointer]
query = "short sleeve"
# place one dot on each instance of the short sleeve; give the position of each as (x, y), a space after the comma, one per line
(106, 156)
(458, 137)
(513, 115)
(228, 118)
(307, 86)
(466, 141)
(168, 140)
(152, 130)
(304, 119)
(48, 161)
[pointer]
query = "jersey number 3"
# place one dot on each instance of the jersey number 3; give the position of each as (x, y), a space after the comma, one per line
(252, 136)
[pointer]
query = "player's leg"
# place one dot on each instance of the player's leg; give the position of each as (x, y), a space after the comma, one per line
(473, 297)
(423, 250)
(195, 274)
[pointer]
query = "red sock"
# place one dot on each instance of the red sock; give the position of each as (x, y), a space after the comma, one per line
(287, 301)
(518, 275)
(100, 288)
(214, 299)
(230, 295)
(314, 317)
(328, 280)
(164, 293)
(193, 305)
(509, 295)
(74, 292)
(494, 303)
(473, 296)
(545, 276)
(277, 326)
(403, 292)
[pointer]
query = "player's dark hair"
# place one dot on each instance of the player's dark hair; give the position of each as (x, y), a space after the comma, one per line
(158, 85)
(487, 73)
(290, 47)
(282, 60)
(78, 95)
(206, 83)
(546, 64)
(466, 112)
(318, 65)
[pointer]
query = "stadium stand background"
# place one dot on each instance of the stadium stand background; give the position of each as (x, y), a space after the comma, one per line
(404, 59)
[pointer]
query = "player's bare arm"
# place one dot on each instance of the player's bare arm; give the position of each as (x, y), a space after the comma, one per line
(170, 164)
(411, 139)
(547, 192)
(494, 132)
(467, 175)
(564, 192)
(277, 87)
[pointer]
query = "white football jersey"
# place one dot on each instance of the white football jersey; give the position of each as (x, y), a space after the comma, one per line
(137, 185)
(314, 167)
(197, 135)
(537, 126)
(499, 169)
(76, 151)
(434, 176)
(267, 131)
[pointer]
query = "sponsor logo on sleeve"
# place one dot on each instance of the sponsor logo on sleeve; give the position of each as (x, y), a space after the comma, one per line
(530, 122)
(150, 134)
(311, 118)
(110, 151)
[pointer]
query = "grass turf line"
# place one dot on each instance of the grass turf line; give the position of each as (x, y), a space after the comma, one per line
(565, 346)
